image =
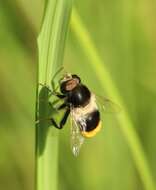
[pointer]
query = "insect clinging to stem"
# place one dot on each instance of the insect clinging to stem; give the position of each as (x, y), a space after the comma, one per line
(81, 104)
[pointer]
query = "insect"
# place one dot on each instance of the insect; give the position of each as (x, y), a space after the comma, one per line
(81, 104)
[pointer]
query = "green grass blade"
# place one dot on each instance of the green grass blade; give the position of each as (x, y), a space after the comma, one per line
(107, 83)
(51, 42)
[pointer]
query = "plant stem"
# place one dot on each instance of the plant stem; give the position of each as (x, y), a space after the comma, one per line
(107, 83)
(51, 42)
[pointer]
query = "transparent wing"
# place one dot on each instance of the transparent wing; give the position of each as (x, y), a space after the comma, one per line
(106, 105)
(76, 138)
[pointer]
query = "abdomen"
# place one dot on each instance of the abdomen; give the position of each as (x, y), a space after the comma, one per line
(88, 118)
(91, 124)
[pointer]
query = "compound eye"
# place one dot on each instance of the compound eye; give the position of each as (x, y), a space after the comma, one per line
(76, 77)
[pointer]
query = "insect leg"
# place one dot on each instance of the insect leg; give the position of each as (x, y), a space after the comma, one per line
(59, 95)
(44, 85)
(62, 106)
(63, 120)
(53, 78)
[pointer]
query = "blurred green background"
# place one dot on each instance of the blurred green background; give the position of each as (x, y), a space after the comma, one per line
(124, 34)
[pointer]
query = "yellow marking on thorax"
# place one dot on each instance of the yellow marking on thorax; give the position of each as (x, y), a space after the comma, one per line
(92, 133)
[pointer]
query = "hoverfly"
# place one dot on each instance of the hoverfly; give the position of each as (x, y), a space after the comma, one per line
(81, 104)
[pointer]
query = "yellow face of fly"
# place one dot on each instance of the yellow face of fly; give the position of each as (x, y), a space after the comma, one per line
(93, 132)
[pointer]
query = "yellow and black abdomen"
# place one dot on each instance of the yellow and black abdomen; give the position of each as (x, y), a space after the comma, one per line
(92, 124)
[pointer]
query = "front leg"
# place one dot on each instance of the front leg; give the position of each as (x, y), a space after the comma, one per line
(63, 120)
(53, 93)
